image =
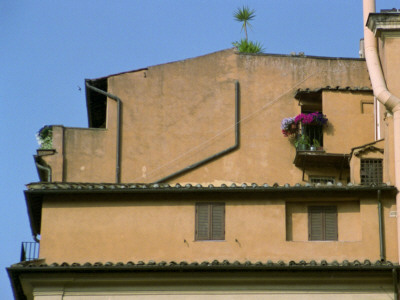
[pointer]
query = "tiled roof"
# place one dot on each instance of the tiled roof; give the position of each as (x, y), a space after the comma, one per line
(38, 267)
(36, 191)
(206, 265)
(132, 187)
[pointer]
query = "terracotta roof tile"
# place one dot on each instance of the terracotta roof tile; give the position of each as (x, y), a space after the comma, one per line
(70, 186)
(225, 264)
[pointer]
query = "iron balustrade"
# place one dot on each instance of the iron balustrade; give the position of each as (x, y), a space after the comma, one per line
(29, 251)
(313, 132)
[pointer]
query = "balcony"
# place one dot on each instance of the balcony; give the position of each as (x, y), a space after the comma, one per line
(29, 251)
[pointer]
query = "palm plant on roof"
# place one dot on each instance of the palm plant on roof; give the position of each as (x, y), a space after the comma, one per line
(244, 15)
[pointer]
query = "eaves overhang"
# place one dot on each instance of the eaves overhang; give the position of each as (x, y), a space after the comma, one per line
(380, 23)
(36, 192)
(300, 93)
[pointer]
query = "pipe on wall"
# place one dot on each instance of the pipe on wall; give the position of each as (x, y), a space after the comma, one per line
(381, 92)
(383, 95)
(47, 169)
(219, 154)
(395, 283)
(381, 234)
(118, 146)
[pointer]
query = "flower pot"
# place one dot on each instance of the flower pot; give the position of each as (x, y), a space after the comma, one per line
(313, 148)
(302, 147)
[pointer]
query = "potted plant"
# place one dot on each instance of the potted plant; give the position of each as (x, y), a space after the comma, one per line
(302, 142)
(315, 145)
(289, 127)
(45, 137)
(315, 118)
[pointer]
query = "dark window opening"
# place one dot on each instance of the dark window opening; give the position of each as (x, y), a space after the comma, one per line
(371, 171)
(97, 104)
(210, 221)
(322, 179)
(322, 223)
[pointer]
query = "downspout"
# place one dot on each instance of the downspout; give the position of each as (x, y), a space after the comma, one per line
(381, 92)
(395, 283)
(119, 103)
(219, 154)
(47, 169)
(381, 236)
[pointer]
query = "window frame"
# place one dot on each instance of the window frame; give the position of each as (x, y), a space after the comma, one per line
(215, 214)
(371, 176)
(326, 218)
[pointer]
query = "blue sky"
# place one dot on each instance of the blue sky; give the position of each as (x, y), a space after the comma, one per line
(48, 48)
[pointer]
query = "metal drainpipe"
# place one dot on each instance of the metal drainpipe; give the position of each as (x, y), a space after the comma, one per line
(384, 96)
(395, 283)
(381, 237)
(119, 102)
(47, 169)
(219, 154)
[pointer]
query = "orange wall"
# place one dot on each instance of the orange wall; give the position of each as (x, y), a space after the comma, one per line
(81, 228)
(179, 113)
(348, 125)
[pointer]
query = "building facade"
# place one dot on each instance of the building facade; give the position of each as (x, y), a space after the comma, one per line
(188, 185)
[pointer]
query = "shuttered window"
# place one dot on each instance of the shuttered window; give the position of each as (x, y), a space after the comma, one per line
(210, 221)
(322, 223)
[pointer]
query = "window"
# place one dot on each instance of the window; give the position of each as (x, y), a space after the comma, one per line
(314, 133)
(322, 179)
(322, 223)
(371, 171)
(210, 221)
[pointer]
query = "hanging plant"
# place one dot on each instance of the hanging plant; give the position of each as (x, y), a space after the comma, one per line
(45, 137)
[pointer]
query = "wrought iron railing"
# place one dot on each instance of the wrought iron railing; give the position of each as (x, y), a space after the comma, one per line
(314, 134)
(29, 251)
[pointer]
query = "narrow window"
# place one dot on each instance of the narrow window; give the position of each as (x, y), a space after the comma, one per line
(371, 171)
(322, 223)
(210, 221)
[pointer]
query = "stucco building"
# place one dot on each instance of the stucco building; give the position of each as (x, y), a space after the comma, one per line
(184, 187)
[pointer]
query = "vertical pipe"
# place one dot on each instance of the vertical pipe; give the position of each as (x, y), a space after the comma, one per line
(383, 95)
(395, 284)
(381, 236)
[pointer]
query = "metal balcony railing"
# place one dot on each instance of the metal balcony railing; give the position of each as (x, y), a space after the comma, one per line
(314, 134)
(29, 251)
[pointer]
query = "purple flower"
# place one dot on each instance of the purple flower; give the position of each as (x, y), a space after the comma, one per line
(315, 118)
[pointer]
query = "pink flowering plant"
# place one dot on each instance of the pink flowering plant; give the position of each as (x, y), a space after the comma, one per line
(315, 118)
(290, 126)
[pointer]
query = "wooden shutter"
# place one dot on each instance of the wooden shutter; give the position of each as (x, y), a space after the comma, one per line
(210, 221)
(315, 221)
(218, 221)
(202, 221)
(322, 223)
(331, 227)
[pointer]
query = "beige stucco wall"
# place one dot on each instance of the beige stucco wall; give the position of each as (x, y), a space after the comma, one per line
(81, 228)
(351, 123)
(176, 114)
(390, 59)
(82, 153)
